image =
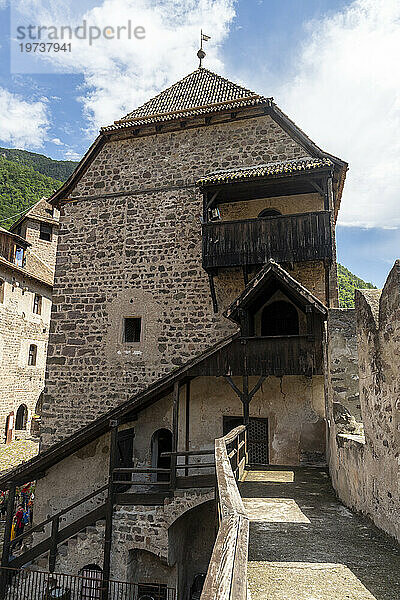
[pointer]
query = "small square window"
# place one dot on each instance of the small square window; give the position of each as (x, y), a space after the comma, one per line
(132, 329)
(37, 304)
(32, 355)
(45, 232)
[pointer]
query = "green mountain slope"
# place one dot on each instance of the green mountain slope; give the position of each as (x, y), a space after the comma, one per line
(20, 187)
(347, 283)
(57, 169)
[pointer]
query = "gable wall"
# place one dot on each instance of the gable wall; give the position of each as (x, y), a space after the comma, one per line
(140, 255)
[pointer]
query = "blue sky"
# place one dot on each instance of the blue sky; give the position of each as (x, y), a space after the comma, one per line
(332, 65)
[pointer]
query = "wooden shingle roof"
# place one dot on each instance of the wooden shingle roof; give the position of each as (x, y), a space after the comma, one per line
(198, 93)
(272, 169)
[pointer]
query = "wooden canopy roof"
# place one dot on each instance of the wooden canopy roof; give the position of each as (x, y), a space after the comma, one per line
(256, 288)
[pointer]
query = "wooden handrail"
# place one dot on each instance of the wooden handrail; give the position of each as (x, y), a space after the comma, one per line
(226, 577)
(58, 515)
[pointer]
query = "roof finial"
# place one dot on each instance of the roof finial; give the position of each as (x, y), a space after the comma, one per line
(201, 54)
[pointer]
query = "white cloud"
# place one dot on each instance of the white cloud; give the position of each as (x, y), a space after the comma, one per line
(345, 94)
(72, 155)
(57, 142)
(24, 124)
(121, 74)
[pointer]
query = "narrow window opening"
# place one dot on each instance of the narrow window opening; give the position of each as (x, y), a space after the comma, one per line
(132, 329)
(1, 291)
(45, 232)
(32, 355)
(37, 304)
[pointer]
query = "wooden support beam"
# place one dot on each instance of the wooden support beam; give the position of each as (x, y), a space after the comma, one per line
(55, 524)
(245, 275)
(234, 386)
(187, 423)
(175, 424)
(8, 524)
(213, 294)
(310, 328)
(109, 512)
(257, 386)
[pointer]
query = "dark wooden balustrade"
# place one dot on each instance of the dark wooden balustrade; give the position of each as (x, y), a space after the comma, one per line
(284, 355)
(284, 238)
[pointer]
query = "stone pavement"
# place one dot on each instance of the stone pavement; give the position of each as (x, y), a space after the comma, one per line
(16, 453)
(305, 545)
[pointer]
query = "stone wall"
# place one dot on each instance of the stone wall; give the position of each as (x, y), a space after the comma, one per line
(365, 469)
(20, 383)
(344, 360)
(45, 250)
(139, 254)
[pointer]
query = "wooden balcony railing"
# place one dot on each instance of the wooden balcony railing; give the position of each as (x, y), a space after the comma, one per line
(283, 355)
(226, 577)
(284, 238)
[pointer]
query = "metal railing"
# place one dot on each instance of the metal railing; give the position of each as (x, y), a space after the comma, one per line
(226, 577)
(23, 584)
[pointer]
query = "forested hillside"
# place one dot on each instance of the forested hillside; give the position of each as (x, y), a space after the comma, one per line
(347, 283)
(57, 169)
(20, 187)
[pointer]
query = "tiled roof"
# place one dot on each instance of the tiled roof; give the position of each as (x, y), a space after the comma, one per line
(35, 267)
(41, 211)
(279, 168)
(198, 93)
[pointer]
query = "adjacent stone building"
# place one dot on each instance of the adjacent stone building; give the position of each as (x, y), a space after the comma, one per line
(26, 278)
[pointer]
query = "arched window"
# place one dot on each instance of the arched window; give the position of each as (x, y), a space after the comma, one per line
(22, 417)
(269, 212)
(279, 318)
(161, 441)
(91, 582)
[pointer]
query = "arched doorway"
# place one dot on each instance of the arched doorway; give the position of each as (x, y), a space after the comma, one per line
(91, 582)
(161, 441)
(22, 417)
(279, 318)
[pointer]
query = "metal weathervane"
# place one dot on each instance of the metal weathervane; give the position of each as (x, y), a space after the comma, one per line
(201, 54)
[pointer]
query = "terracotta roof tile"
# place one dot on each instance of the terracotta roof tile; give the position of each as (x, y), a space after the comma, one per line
(279, 168)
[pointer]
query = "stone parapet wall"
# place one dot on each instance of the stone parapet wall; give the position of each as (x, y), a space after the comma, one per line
(365, 471)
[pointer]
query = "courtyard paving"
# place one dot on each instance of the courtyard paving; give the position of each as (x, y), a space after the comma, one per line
(16, 453)
(305, 545)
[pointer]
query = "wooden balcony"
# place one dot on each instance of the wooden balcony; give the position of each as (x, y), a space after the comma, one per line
(283, 355)
(284, 238)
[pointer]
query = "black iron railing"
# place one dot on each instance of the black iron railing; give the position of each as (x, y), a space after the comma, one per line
(23, 584)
